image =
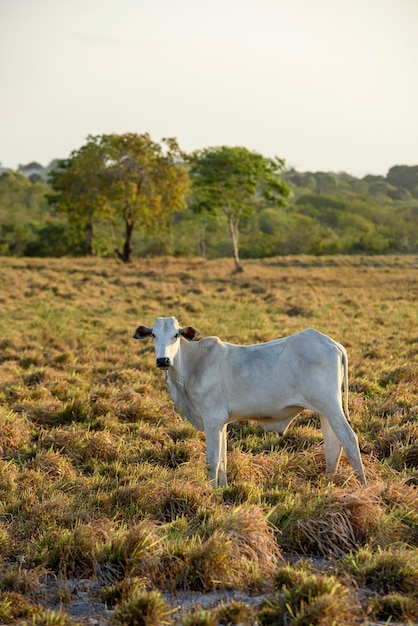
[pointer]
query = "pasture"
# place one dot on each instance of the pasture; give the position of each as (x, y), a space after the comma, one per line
(103, 485)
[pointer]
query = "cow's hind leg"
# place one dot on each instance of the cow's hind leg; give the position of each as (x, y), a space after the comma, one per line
(222, 480)
(333, 447)
(347, 437)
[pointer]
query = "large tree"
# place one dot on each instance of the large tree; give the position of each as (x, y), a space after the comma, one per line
(228, 180)
(126, 177)
(147, 183)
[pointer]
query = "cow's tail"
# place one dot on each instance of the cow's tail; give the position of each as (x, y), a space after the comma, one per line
(345, 381)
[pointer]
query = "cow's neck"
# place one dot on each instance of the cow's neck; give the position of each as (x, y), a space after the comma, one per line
(177, 375)
(177, 380)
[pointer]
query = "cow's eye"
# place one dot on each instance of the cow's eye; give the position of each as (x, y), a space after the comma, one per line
(152, 335)
(177, 335)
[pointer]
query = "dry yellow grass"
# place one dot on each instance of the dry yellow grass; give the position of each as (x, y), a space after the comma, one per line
(101, 478)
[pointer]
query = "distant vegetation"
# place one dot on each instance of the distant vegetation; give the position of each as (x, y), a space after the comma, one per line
(126, 194)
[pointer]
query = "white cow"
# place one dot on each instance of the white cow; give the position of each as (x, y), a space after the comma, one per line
(214, 383)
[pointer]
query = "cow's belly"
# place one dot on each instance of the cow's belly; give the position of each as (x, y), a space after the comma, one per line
(259, 396)
(265, 414)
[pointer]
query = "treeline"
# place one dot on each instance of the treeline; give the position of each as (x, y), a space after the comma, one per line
(210, 203)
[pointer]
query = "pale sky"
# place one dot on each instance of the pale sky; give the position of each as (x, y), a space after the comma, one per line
(328, 85)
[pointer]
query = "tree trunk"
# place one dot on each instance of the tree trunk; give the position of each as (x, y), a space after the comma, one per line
(125, 255)
(200, 232)
(233, 223)
(89, 236)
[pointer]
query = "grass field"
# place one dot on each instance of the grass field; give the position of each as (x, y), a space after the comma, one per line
(104, 485)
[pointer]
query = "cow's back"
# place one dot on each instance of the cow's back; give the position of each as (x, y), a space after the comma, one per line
(261, 380)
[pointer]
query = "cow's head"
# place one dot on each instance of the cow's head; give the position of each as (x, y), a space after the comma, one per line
(166, 333)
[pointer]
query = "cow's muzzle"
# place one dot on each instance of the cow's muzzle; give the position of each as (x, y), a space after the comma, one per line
(163, 363)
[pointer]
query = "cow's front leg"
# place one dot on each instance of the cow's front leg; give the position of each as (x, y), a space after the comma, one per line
(216, 453)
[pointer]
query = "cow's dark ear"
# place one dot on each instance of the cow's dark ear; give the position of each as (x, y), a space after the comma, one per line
(190, 333)
(142, 332)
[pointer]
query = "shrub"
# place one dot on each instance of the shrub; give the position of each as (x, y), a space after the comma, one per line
(337, 521)
(200, 617)
(317, 599)
(390, 570)
(395, 606)
(51, 618)
(144, 608)
(236, 612)
(14, 606)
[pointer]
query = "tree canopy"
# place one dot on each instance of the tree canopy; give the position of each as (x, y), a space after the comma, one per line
(78, 190)
(404, 176)
(228, 179)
